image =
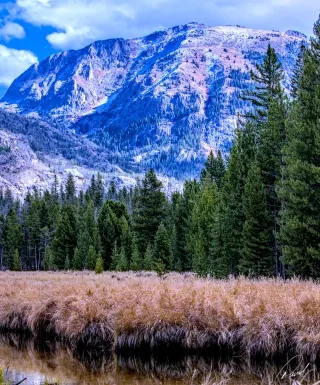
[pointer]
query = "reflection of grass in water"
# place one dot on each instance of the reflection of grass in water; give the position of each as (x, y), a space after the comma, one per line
(55, 360)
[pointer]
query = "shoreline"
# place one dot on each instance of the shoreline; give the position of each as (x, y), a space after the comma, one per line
(141, 312)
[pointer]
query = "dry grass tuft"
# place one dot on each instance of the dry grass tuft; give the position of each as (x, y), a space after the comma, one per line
(262, 318)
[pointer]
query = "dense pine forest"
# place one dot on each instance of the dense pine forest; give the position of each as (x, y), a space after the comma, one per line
(256, 213)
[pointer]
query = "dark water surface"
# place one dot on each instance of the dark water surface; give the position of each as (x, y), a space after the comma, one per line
(48, 362)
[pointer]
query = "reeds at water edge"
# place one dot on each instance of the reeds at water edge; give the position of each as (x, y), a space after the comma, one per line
(261, 319)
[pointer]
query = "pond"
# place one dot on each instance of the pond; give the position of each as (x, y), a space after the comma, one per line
(48, 362)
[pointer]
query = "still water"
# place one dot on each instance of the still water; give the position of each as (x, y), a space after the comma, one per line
(50, 363)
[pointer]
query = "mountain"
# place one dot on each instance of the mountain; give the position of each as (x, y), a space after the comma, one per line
(162, 101)
(32, 152)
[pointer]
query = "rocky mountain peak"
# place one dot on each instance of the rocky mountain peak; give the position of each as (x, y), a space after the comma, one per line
(164, 100)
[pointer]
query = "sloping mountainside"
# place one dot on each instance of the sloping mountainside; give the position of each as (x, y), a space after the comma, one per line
(164, 100)
(32, 152)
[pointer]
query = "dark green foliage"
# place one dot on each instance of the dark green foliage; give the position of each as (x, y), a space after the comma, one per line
(70, 189)
(99, 265)
(136, 260)
(267, 77)
(149, 210)
(162, 250)
(214, 169)
(257, 257)
(12, 238)
(297, 71)
(200, 227)
(16, 261)
(148, 261)
(65, 238)
(107, 223)
(92, 258)
(300, 184)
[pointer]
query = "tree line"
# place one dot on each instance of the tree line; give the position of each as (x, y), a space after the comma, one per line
(256, 213)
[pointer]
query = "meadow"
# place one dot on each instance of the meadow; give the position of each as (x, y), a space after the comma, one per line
(262, 318)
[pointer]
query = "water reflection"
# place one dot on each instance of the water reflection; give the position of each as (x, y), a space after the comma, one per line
(41, 361)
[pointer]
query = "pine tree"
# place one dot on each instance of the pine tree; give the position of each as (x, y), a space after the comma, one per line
(122, 263)
(48, 259)
(67, 263)
(214, 169)
(77, 261)
(114, 256)
(99, 265)
(300, 186)
(297, 71)
(136, 263)
(107, 224)
(217, 264)
(162, 248)
(150, 210)
(99, 192)
(70, 189)
(148, 261)
(92, 258)
(112, 191)
(12, 237)
(267, 78)
(200, 227)
(65, 238)
(16, 261)
(257, 257)
(270, 158)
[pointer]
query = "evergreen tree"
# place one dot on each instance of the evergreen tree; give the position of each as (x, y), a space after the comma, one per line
(122, 261)
(70, 189)
(65, 238)
(214, 169)
(297, 71)
(99, 265)
(77, 261)
(162, 248)
(107, 224)
(67, 263)
(16, 261)
(12, 238)
(267, 78)
(136, 260)
(300, 183)
(48, 259)
(148, 261)
(257, 258)
(270, 158)
(92, 258)
(99, 192)
(200, 228)
(150, 210)
(217, 264)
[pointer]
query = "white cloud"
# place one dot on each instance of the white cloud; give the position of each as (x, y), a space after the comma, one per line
(13, 62)
(79, 22)
(11, 30)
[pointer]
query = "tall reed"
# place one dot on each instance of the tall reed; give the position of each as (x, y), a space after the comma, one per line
(260, 318)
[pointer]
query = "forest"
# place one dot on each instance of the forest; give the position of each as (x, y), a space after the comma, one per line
(255, 214)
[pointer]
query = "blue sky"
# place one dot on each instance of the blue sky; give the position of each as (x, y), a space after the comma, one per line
(31, 30)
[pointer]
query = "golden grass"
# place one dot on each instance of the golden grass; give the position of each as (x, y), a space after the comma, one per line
(125, 310)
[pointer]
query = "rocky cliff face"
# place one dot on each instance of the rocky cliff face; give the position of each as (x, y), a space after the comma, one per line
(163, 100)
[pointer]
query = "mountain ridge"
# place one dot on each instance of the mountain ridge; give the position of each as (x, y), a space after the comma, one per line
(164, 100)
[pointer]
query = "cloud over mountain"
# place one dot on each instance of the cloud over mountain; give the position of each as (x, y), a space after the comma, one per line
(80, 22)
(13, 62)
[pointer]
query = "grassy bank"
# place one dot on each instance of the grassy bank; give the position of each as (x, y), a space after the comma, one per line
(262, 318)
